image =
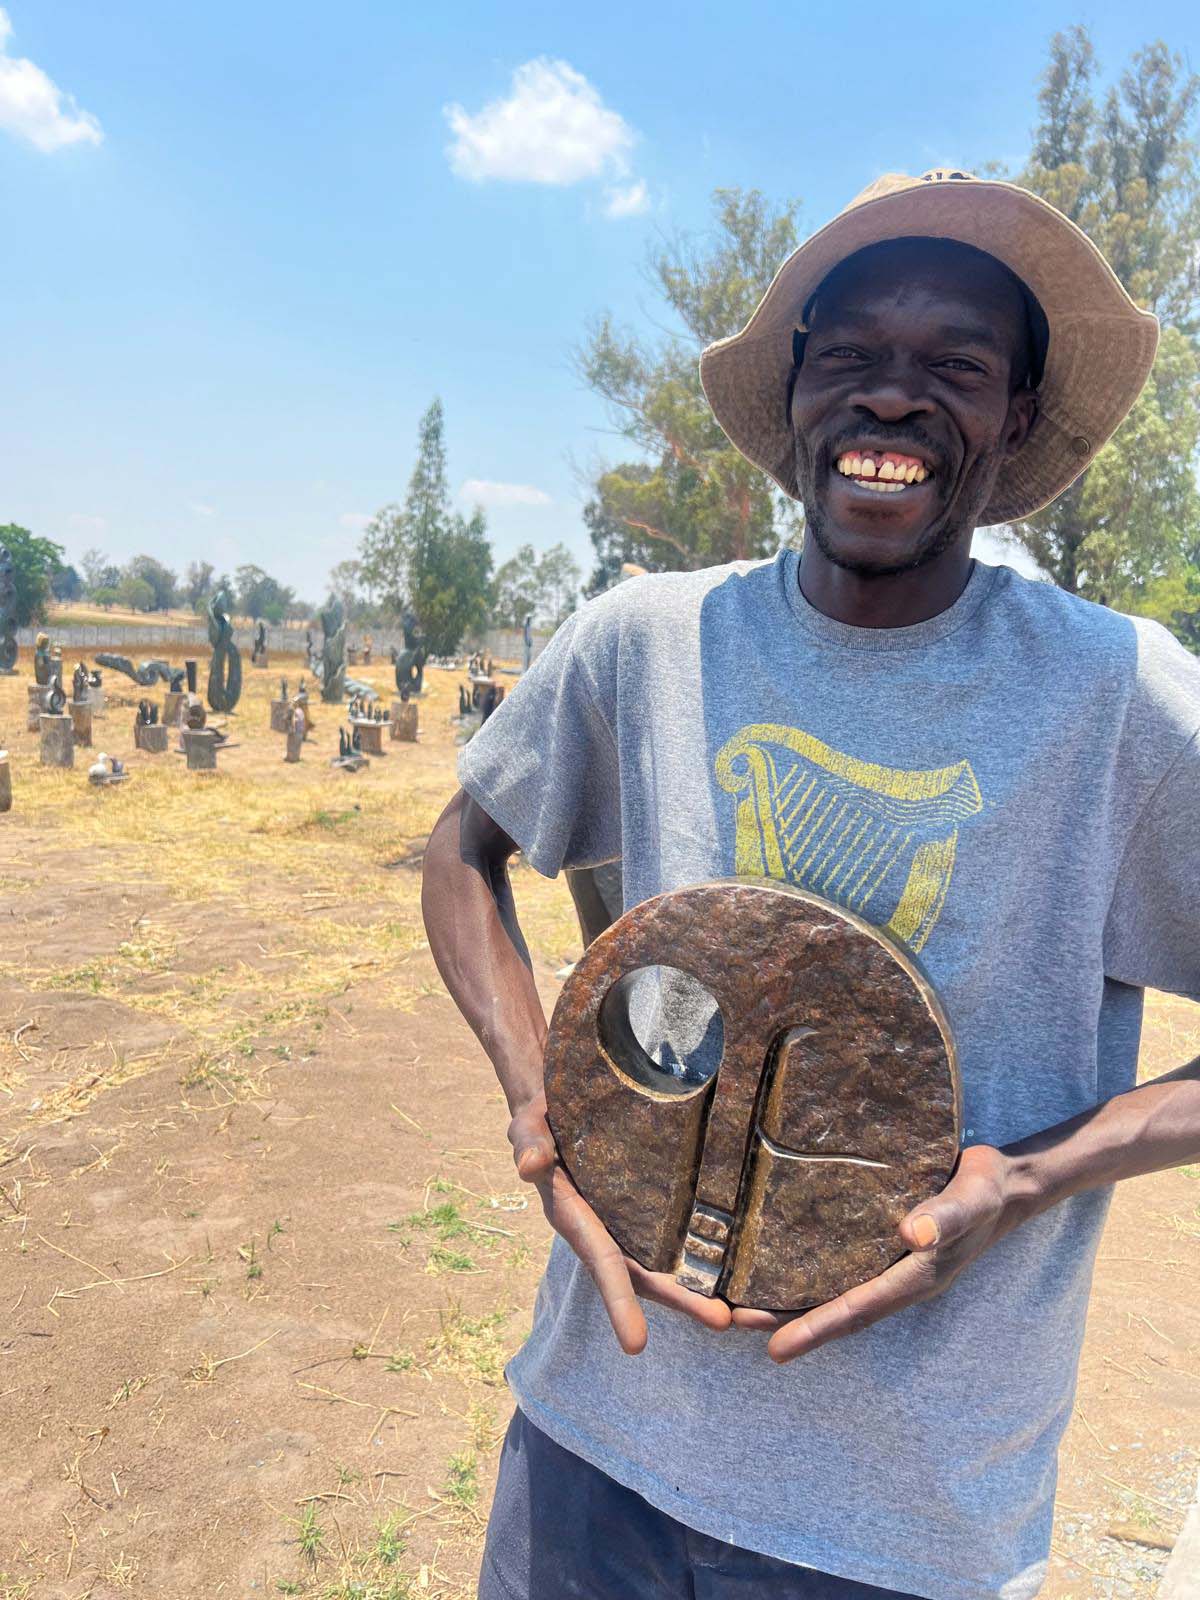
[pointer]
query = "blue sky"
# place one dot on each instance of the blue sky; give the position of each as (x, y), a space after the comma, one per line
(247, 243)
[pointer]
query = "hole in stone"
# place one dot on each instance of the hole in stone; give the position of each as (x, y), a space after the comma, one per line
(663, 1029)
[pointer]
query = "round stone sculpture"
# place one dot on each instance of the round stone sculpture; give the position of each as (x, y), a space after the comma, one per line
(779, 1178)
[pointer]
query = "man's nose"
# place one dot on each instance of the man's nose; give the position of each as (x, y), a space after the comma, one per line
(891, 393)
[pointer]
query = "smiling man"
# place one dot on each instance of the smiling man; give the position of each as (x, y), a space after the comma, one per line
(1003, 777)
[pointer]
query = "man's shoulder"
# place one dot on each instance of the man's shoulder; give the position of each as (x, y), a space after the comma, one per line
(662, 600)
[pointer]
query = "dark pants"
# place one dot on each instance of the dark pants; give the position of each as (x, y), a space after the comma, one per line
(563, 1530)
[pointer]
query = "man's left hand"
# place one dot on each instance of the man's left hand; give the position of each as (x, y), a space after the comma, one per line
(987, 1197)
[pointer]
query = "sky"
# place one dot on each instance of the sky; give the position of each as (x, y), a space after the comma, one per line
(246, 245)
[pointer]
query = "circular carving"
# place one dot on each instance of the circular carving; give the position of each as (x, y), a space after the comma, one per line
(780, 1181)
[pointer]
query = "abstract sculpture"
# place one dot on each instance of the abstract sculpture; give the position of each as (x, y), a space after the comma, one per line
(8, 612)
(410, 662)
(333, 653)
(145, 676)
(225, 668)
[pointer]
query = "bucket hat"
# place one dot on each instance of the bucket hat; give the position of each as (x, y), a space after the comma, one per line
(1100, 351)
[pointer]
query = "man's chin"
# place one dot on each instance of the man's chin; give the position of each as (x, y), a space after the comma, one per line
(874, 554)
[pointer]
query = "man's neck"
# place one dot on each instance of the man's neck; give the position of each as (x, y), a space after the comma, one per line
(898, 600)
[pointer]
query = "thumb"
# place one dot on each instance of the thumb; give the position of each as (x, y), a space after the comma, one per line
(532, 1143)
(970, 1199)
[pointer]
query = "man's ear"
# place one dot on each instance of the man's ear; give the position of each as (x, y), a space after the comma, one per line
(1022, 414)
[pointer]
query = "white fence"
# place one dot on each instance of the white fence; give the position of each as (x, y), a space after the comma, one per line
(123, 637)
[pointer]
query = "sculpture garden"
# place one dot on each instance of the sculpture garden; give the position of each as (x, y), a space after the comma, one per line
(265, 1254)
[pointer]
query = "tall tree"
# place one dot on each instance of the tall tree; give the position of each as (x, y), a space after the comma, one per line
(426, 558)
(1125, 169)
(160, 579)
(197, 583)
(257, 594)
(689, 498)
(545, 587)
(34, 562)
(98, 571)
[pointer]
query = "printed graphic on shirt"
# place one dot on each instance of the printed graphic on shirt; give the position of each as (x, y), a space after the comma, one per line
(878, 840)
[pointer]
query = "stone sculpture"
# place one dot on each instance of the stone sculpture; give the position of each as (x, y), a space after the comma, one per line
(774, 1176)
(41, 659)
(56, 700)
(147, 713)
(145, 676)
(258, 652)
(410, 662)
(80, 684)
(333, 653)
(225, 668)
(8, 613)
(107, 770)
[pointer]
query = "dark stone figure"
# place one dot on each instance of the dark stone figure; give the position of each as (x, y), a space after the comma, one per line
(41, 660)
(333, 653)
(8, 612)
(189, 668)
(356, 743)
(145, 676)
(147, 713)
(79, 684)
(225, 668)
(56, 700)
(410, 662)
(489, 700)
(283, 694)
(464, 702)
(259, 649)
(343, 745)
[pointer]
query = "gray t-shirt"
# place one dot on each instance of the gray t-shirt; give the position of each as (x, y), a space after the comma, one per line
(1013, 789)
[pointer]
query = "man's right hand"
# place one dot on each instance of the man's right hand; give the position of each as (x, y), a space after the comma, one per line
(619, 1279)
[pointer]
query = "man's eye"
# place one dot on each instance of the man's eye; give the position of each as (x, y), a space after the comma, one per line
(843, 352)
(959, 364)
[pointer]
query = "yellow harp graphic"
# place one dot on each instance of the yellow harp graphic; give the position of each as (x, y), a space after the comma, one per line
(878, 840)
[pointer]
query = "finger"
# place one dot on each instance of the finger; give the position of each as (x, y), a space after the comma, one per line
(665, 1291)
(904, 1284)
(757, 1321)
(972, 1199)
(570, 1215)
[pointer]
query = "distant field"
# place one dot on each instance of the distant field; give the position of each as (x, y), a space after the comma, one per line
(68, 612)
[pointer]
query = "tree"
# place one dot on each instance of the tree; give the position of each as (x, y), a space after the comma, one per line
(257, 594)
(161, 581)
(197, 583)
(545, 587)
(1126, 171)
(558, 578)
(98, 571)
(689, 499)
(425, 558)
(136, 593)
(33, 561)
(65, 583)
(105, 596)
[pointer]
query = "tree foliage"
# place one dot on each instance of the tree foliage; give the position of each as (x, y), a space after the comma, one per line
(160, 580)
(688, 498)
(544, 586)
(34, 561)
(426, 558)
(257, 594)
(1125, 169)
(197, 583)
(136, 593)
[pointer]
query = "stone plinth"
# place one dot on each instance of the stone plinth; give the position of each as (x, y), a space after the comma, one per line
(295, 743)
(370, 736)
(200, 745)
(151, 737)
(404, 720)
(81, 719)
(5, 782)
(96, 699)
(262, 659)
(37, 704)
(58, 740)
(279, 716)
(351, 655)
(172, 706)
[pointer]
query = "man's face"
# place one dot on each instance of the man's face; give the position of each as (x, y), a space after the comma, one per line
(904, 407)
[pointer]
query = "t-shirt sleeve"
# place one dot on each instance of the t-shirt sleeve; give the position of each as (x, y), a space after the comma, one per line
(544, 765)
(1152, 934)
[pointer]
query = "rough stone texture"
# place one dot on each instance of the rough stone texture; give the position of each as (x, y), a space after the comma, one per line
(81, 719)
(151, 737)
(96, 698)
(295, 743)
(58, 740)
(404, 720)
(200, 745)
(173, 707)
(280, 715)
(5, 782)
(835, 1108)
(370, 736)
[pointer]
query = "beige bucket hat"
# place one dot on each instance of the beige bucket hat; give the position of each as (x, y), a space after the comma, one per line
(1100, 352)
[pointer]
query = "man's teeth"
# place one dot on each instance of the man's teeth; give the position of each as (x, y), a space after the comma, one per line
(886, 474)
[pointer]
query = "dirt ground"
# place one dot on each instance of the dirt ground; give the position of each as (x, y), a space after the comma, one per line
(262, 1252)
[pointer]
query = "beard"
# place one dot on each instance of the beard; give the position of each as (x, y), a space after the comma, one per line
(934, 541)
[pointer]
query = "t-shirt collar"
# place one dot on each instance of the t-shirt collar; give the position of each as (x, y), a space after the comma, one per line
(918, 634)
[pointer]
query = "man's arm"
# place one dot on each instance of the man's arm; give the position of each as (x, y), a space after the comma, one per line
(1144, 1130)
(471, 919)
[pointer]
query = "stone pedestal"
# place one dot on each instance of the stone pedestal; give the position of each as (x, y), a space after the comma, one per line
(370, 736)
(172, 706)
(200, 745)
(404, 720)
(295, 743)
(5, 782)
(81, 719)
(279, 716)
(96, 699)
(37, 704)
(58, 740)
(262, 659)
(151, 737)
(351, 655)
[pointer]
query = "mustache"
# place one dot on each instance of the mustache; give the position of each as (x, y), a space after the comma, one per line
(907, 438)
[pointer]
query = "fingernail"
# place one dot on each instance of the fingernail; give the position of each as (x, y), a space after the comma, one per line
(924, 1231)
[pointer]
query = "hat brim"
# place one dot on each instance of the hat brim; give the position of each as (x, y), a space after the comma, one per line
(1100, 352)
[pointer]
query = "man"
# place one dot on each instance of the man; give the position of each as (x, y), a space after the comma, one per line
(1018, 774)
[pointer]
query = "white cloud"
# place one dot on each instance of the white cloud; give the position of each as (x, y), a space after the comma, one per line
(199, 509)
(355, 521)
(552, 128)
(483, 492)
(627, 200)
(33, 106)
